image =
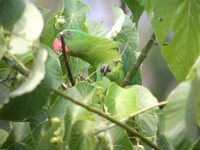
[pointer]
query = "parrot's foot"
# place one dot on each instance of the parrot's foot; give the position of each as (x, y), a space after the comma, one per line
(105, 69)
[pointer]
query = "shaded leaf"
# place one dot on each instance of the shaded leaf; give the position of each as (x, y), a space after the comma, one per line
(136, 9)
(43, 10)
(120, 139)
(10, 12)
(81, 137)
(52, 139)
(147, 122)
(71, 114)
(75, 13)
(19, 137)
(29, 104)
(129, 39)
(94, 28)
(119, 18)
(50, 31)
(181, 112)
(35, 77)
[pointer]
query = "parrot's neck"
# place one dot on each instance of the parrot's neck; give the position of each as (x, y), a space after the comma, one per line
(99, 57)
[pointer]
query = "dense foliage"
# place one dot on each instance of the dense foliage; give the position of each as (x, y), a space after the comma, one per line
(40, 110)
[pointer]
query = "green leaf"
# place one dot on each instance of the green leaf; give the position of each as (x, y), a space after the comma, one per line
(50, 32)
(119, 18)
(136, 9)
(84, 92)
(10, 12)
(181, 113)
(71, 114)
(82, 137)
(29, 104)
(129, 39)
(75, 13)
(2, 43)
(147, 122)
(20, 136)
(52, 139)
(43, 10)
(76, 65)
(195, 145)
(121, 102)
(27, 30)
(94, 28)
(120, 139)
(182, 22)
(3, 135)
(35, 77)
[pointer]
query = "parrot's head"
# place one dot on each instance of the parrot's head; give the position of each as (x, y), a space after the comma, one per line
(74, 42)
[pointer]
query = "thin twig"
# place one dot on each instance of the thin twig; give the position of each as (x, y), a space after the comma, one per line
(111, 119)
(133, 115)
(138, 63)
(17, 64)
(66, 60)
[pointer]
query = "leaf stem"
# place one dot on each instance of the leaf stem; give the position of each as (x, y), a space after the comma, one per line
(111, 119)
(138, 63)
(17, 64)
(66, 60)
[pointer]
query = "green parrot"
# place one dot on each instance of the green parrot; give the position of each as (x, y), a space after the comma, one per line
(102, 53)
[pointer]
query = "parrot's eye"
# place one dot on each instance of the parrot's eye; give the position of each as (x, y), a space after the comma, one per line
(69, 34)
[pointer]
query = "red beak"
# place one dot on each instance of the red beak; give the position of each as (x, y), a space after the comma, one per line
(57, 46)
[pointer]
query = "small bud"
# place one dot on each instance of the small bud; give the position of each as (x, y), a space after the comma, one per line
(55, 120)
(55, 140)
(60, 22)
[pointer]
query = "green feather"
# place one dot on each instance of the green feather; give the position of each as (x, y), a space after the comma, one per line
(95, 50)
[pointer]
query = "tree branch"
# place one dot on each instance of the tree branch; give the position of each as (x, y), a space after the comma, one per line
(96, 111)
(138, 63)
(66, 60)
(133, 115)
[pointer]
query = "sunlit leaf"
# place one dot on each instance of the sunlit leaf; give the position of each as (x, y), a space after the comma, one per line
(26, 31)
(183, 24)
(3, 135)
(2, 43)
(121, 102)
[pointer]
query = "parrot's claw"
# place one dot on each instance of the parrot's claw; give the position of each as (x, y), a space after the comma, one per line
(105, 69)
